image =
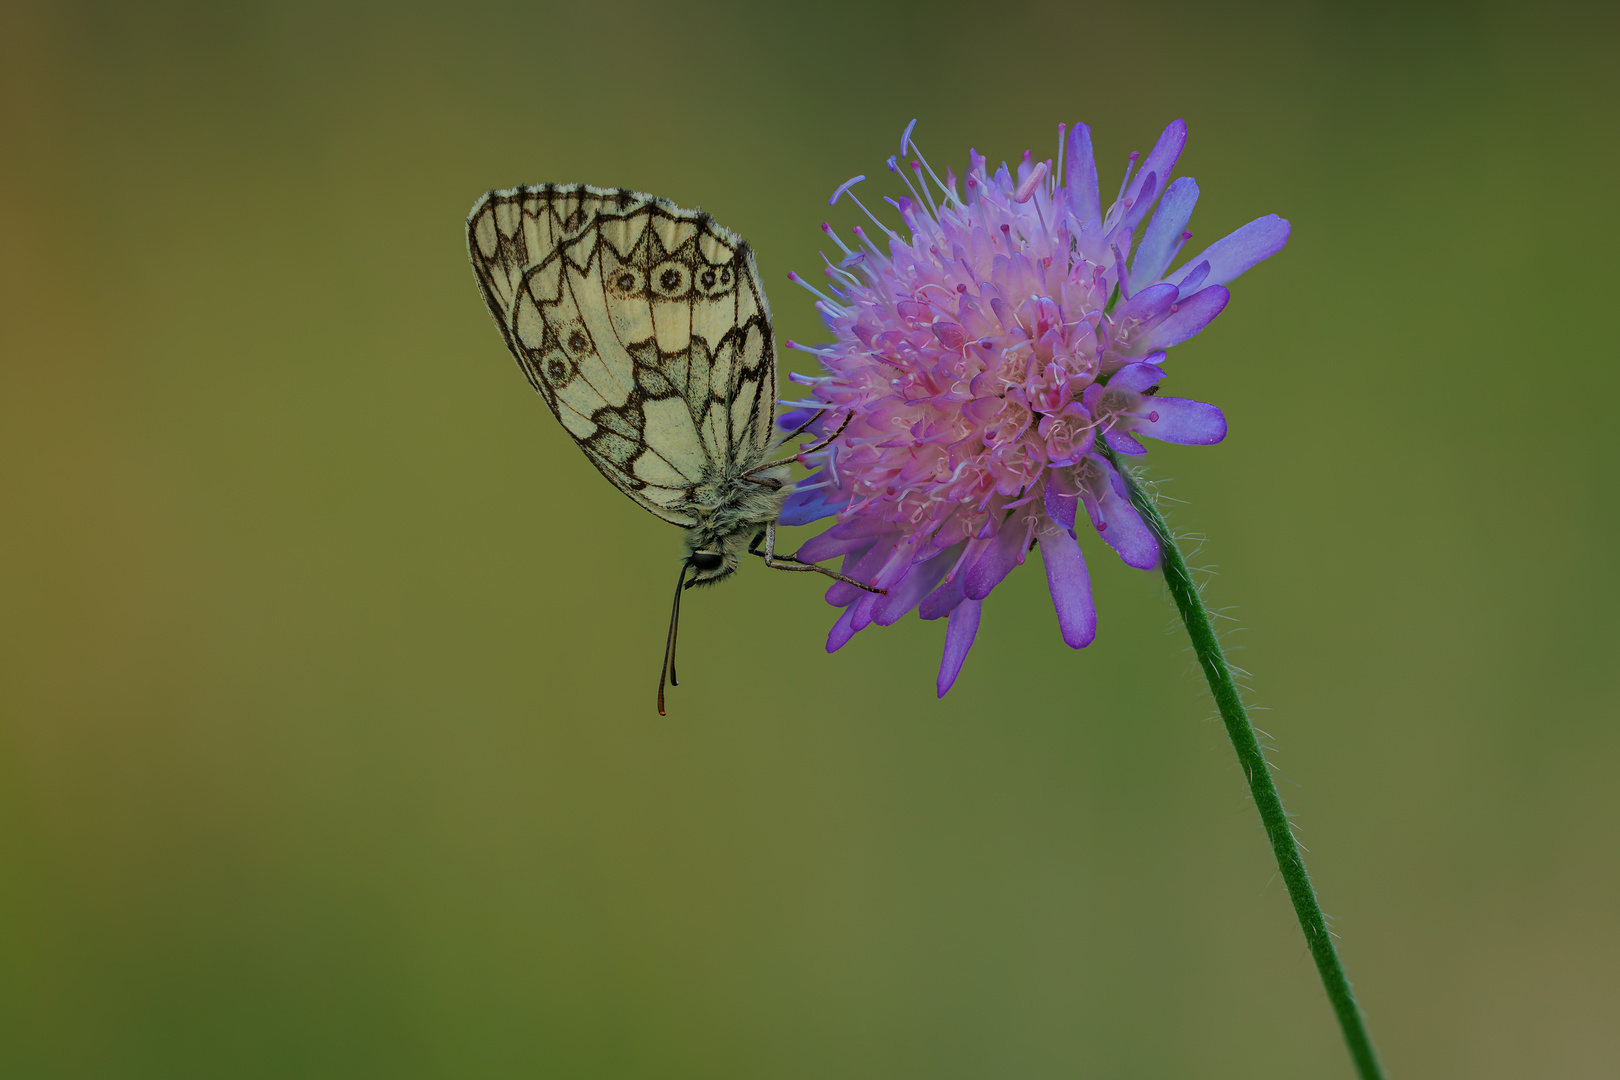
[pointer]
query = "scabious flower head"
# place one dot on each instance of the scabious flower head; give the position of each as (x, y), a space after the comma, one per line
(982, 359)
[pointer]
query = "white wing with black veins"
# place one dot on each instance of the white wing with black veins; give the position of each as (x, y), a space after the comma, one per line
(644, 327)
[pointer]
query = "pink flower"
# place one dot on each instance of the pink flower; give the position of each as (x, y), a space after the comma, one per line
(977, 361)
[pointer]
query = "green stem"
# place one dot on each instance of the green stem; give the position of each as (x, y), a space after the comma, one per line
(1289, 860)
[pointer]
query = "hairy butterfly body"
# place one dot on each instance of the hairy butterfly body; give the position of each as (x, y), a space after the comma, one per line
(645, 328)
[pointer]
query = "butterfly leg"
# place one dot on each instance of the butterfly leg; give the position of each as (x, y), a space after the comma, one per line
(788, 562)
(813, 449)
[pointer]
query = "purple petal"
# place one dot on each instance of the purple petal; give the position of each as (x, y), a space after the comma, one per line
(1134, 378)
(1194, 280)
(1124, 530)
(1117, 482)
(1120, 275)
(1146, 305)
(1160, 161)
(834, 542)
(988, 570)
(964, 627)
(1091, 395)
(1003, 180)
(1191, 315)
(1158, 246)
(896, 566)
(1121, 443)
(792, 418)
(1093, 510)
(803, 507)
(860, 566)
(908, 593)
(1147, 186)
(1182, 420)
(1062, 500)
(1084, 201)
(1231, 255)
(841, 631)
(860, 612)
(950, 334)
(1130, 537)
(1066, 577)
(943, 600)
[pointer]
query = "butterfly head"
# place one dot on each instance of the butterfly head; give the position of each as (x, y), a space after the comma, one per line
(711, 558)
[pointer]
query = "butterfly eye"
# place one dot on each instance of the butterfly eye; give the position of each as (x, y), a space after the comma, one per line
(705, 560)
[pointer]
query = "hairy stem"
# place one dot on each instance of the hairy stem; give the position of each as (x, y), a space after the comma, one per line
(1283, 846)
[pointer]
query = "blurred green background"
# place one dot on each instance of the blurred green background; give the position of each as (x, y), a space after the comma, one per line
(327, 744)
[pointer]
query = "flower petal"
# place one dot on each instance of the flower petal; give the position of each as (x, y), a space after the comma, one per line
(918, 583)
(862, 566)
(950, 334)
(1158, 164)
(1121, 443)
(1158, 246)
(1134, 377)
(803, 507)
(1182, 420)
(1145, 306)
(943, 600)
(1148, 185)
(791, 419)
(998, 559)
(1231, 255)
(836, 541)
(1193, 280)
(1070, 585)
(841, 631)
(1121, 276)
(860, 612)
(1062, 500)
(1081, 167)
(896, 566)
(964, 627)
(1122, 527)
(1191, 315)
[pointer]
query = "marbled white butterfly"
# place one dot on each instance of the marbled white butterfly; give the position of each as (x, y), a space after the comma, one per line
(645, 328)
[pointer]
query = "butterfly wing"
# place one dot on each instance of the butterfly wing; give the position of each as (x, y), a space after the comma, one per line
(643, 326)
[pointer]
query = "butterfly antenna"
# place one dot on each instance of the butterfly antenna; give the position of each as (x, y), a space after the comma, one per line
(804, 427)
(668, 670)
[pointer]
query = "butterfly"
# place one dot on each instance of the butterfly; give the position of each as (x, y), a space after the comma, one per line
(645, 328)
